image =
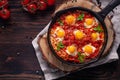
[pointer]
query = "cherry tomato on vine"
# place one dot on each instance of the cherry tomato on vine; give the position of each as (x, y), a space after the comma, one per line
(50, 2)
(32, 8)
(4, 13)
(25, 2)
(42, 5)
(33, 5)
(4, 3)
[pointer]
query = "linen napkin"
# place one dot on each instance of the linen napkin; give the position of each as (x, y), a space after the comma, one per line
(54, 73)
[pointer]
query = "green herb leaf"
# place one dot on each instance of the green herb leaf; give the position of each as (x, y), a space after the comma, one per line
(81, 57)
(98, 29)
(80, 17)
(79, 53)
(60, 22)
(60, 45)
(58, 48)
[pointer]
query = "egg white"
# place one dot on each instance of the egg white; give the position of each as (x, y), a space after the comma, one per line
(59, 39)
(72, 54)
(55, 34)
(93, 49)
(74, 32)
(89, 26)
(98, 37)
(56, 30)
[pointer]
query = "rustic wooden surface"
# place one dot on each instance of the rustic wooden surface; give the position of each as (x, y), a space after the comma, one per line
(17, 57)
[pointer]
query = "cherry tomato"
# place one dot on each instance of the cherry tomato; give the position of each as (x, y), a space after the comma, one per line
(24, 2)
(5, 14)
(42, 5)
(50, 2)
(32, 8)
(3, 3)
(33, 5)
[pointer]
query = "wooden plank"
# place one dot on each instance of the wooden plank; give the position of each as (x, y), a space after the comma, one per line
(16, 59)
(20, 77)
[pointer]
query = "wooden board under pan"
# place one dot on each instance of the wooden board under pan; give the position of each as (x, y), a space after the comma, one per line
(43, 38)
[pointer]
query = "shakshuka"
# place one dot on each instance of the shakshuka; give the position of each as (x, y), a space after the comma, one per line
(77, 36)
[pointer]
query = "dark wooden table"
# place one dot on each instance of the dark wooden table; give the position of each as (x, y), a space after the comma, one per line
(17, 56)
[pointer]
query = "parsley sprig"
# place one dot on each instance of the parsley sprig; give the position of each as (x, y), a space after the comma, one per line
(81, 57)
(60, 45)
(98, 29)
(60, 22)
(80, 17)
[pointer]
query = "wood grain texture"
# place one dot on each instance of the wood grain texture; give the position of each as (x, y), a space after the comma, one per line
(17, 55)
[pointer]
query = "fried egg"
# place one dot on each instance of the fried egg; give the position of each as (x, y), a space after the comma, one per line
(71, 50)
(60, 33)
(89, 22)
(78, 34)
(70, 19)
(88, 49)
(95, 36)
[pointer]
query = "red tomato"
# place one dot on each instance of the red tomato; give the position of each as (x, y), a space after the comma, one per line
(50, 2)
(5, 14)
(42, 5)
(88, 16)
(24, 2)
(32, 8)
(3, 3)
(94, 54)
(66, 42)
(72, 37)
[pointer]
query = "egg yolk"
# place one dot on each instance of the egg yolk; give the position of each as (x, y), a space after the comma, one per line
(94, 36)
(89, 21)
(61, 33)
(70, 19)
(79, 34)
(71, 49)
(88, 49)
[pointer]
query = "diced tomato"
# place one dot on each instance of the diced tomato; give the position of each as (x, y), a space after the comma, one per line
(87, 40)
(76, 42)
(66, 42)
(88, 16)
(94, 54)
(72, 37)
(96, 45)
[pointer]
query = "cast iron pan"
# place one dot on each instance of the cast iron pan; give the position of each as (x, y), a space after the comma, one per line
(100, 16)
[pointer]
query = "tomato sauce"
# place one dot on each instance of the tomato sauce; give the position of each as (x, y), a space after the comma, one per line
(78, 36)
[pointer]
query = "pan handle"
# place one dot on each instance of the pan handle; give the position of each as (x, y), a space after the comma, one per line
(108, 8)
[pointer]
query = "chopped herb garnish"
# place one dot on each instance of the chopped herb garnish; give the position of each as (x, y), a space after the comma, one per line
(98, 29)
(81, 57)
(80, 17)
(60, 22)
(60, 45)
